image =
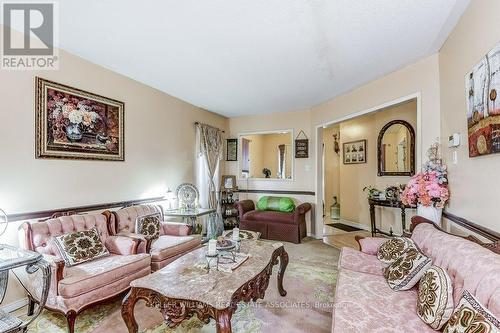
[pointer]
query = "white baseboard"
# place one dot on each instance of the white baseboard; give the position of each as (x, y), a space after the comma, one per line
(15, 305)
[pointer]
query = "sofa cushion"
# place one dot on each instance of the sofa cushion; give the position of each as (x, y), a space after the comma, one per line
(277, 204)
(472, 316)
(435, 297)
(392, 249)
(80, 246)
(169, 246)
(470, 266)
(360, 262)
(407, 270)
(148, 225)
(98, 273)
(365, 303)
(269, 216)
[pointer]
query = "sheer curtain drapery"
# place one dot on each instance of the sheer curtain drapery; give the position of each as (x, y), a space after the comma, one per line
(210, 152)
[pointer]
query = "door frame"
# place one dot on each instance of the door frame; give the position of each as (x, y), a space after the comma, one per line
(318, 225)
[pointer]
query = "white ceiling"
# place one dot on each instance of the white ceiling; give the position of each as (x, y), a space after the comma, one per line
(239, 57)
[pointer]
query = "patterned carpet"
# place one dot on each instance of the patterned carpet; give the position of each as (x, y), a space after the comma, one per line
(309, 280)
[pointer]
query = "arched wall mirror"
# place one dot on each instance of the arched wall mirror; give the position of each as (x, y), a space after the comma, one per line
(396, 149)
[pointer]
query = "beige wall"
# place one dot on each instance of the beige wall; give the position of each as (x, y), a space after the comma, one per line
(354, 177)
(474, 182)
(159, 144)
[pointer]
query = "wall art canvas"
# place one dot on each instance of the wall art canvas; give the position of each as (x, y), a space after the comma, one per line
(354, 152)
(483, 105)
(75, 124)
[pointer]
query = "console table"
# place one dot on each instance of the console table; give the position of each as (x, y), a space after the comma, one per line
(386, 203)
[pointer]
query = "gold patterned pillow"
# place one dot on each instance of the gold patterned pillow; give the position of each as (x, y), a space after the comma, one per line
(393, 249)
(435, 297)
(80, 246)
(407, 270)
(148, 225)
(471, 316)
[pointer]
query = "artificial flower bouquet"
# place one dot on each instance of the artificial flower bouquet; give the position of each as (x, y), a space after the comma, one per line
(430, 186)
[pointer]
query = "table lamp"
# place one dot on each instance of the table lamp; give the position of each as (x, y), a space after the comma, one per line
(170, 197)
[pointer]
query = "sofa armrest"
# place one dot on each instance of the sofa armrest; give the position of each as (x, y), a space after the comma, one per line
(122, 245)
(302, 208)
(370, 245)
(141, 240)
(176, 228)
(244, 206)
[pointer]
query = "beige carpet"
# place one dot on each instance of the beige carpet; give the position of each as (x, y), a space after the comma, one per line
(309, 280)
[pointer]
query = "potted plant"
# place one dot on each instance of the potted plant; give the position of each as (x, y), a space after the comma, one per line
(428, 189)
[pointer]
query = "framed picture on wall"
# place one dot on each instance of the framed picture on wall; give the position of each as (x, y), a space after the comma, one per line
(232, 149)
(482, 85)
(228, 182)
(76, 124)
(354, 152)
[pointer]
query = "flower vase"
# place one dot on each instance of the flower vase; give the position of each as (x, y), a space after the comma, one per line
(431, 213)
(73, 132)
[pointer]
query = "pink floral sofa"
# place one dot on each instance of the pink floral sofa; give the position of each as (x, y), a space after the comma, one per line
(174, 241)
(365, 303)
(72, 289)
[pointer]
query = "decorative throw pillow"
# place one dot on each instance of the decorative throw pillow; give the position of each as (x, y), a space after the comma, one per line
(80, 246)
(471, 316)
(394, 248)
(435, 297)
(407, 270)
(278, 204)
(148, 225)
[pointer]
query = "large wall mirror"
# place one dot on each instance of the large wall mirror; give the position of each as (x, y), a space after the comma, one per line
(396, 149)
(266, 155)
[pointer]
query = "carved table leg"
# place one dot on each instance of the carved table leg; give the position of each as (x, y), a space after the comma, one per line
(281, 271)
(223, 321)
(128, 311)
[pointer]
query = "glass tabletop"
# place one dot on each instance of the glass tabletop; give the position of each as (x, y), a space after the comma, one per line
(11, 256)
(189, 212)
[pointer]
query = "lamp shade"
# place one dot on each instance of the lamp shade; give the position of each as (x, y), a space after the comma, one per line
(169, 195)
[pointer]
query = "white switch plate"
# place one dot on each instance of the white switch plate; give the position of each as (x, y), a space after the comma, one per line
(455, 157)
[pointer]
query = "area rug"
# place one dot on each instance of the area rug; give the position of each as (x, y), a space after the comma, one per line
(310, 281)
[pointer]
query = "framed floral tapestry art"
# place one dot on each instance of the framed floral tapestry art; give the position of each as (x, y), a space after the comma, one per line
(75, 124)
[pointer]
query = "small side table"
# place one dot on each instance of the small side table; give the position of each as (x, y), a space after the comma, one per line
(386, 203)
(12, 257)
(189, 215)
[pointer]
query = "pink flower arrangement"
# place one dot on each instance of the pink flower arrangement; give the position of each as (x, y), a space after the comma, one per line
(426, 188)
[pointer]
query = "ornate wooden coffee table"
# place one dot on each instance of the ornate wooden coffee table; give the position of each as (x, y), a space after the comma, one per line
(184, 288)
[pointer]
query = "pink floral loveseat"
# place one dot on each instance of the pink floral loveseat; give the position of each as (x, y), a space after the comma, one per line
(174, 241)
(365, 303)
(72, 289)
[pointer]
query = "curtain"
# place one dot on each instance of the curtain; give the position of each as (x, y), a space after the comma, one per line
(210, 151)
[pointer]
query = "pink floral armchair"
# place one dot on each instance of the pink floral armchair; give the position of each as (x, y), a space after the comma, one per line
(175, 238)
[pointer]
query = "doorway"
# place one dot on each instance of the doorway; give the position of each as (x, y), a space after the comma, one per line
(342, 174)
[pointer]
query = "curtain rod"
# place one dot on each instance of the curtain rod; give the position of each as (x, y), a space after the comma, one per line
(198, 123)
